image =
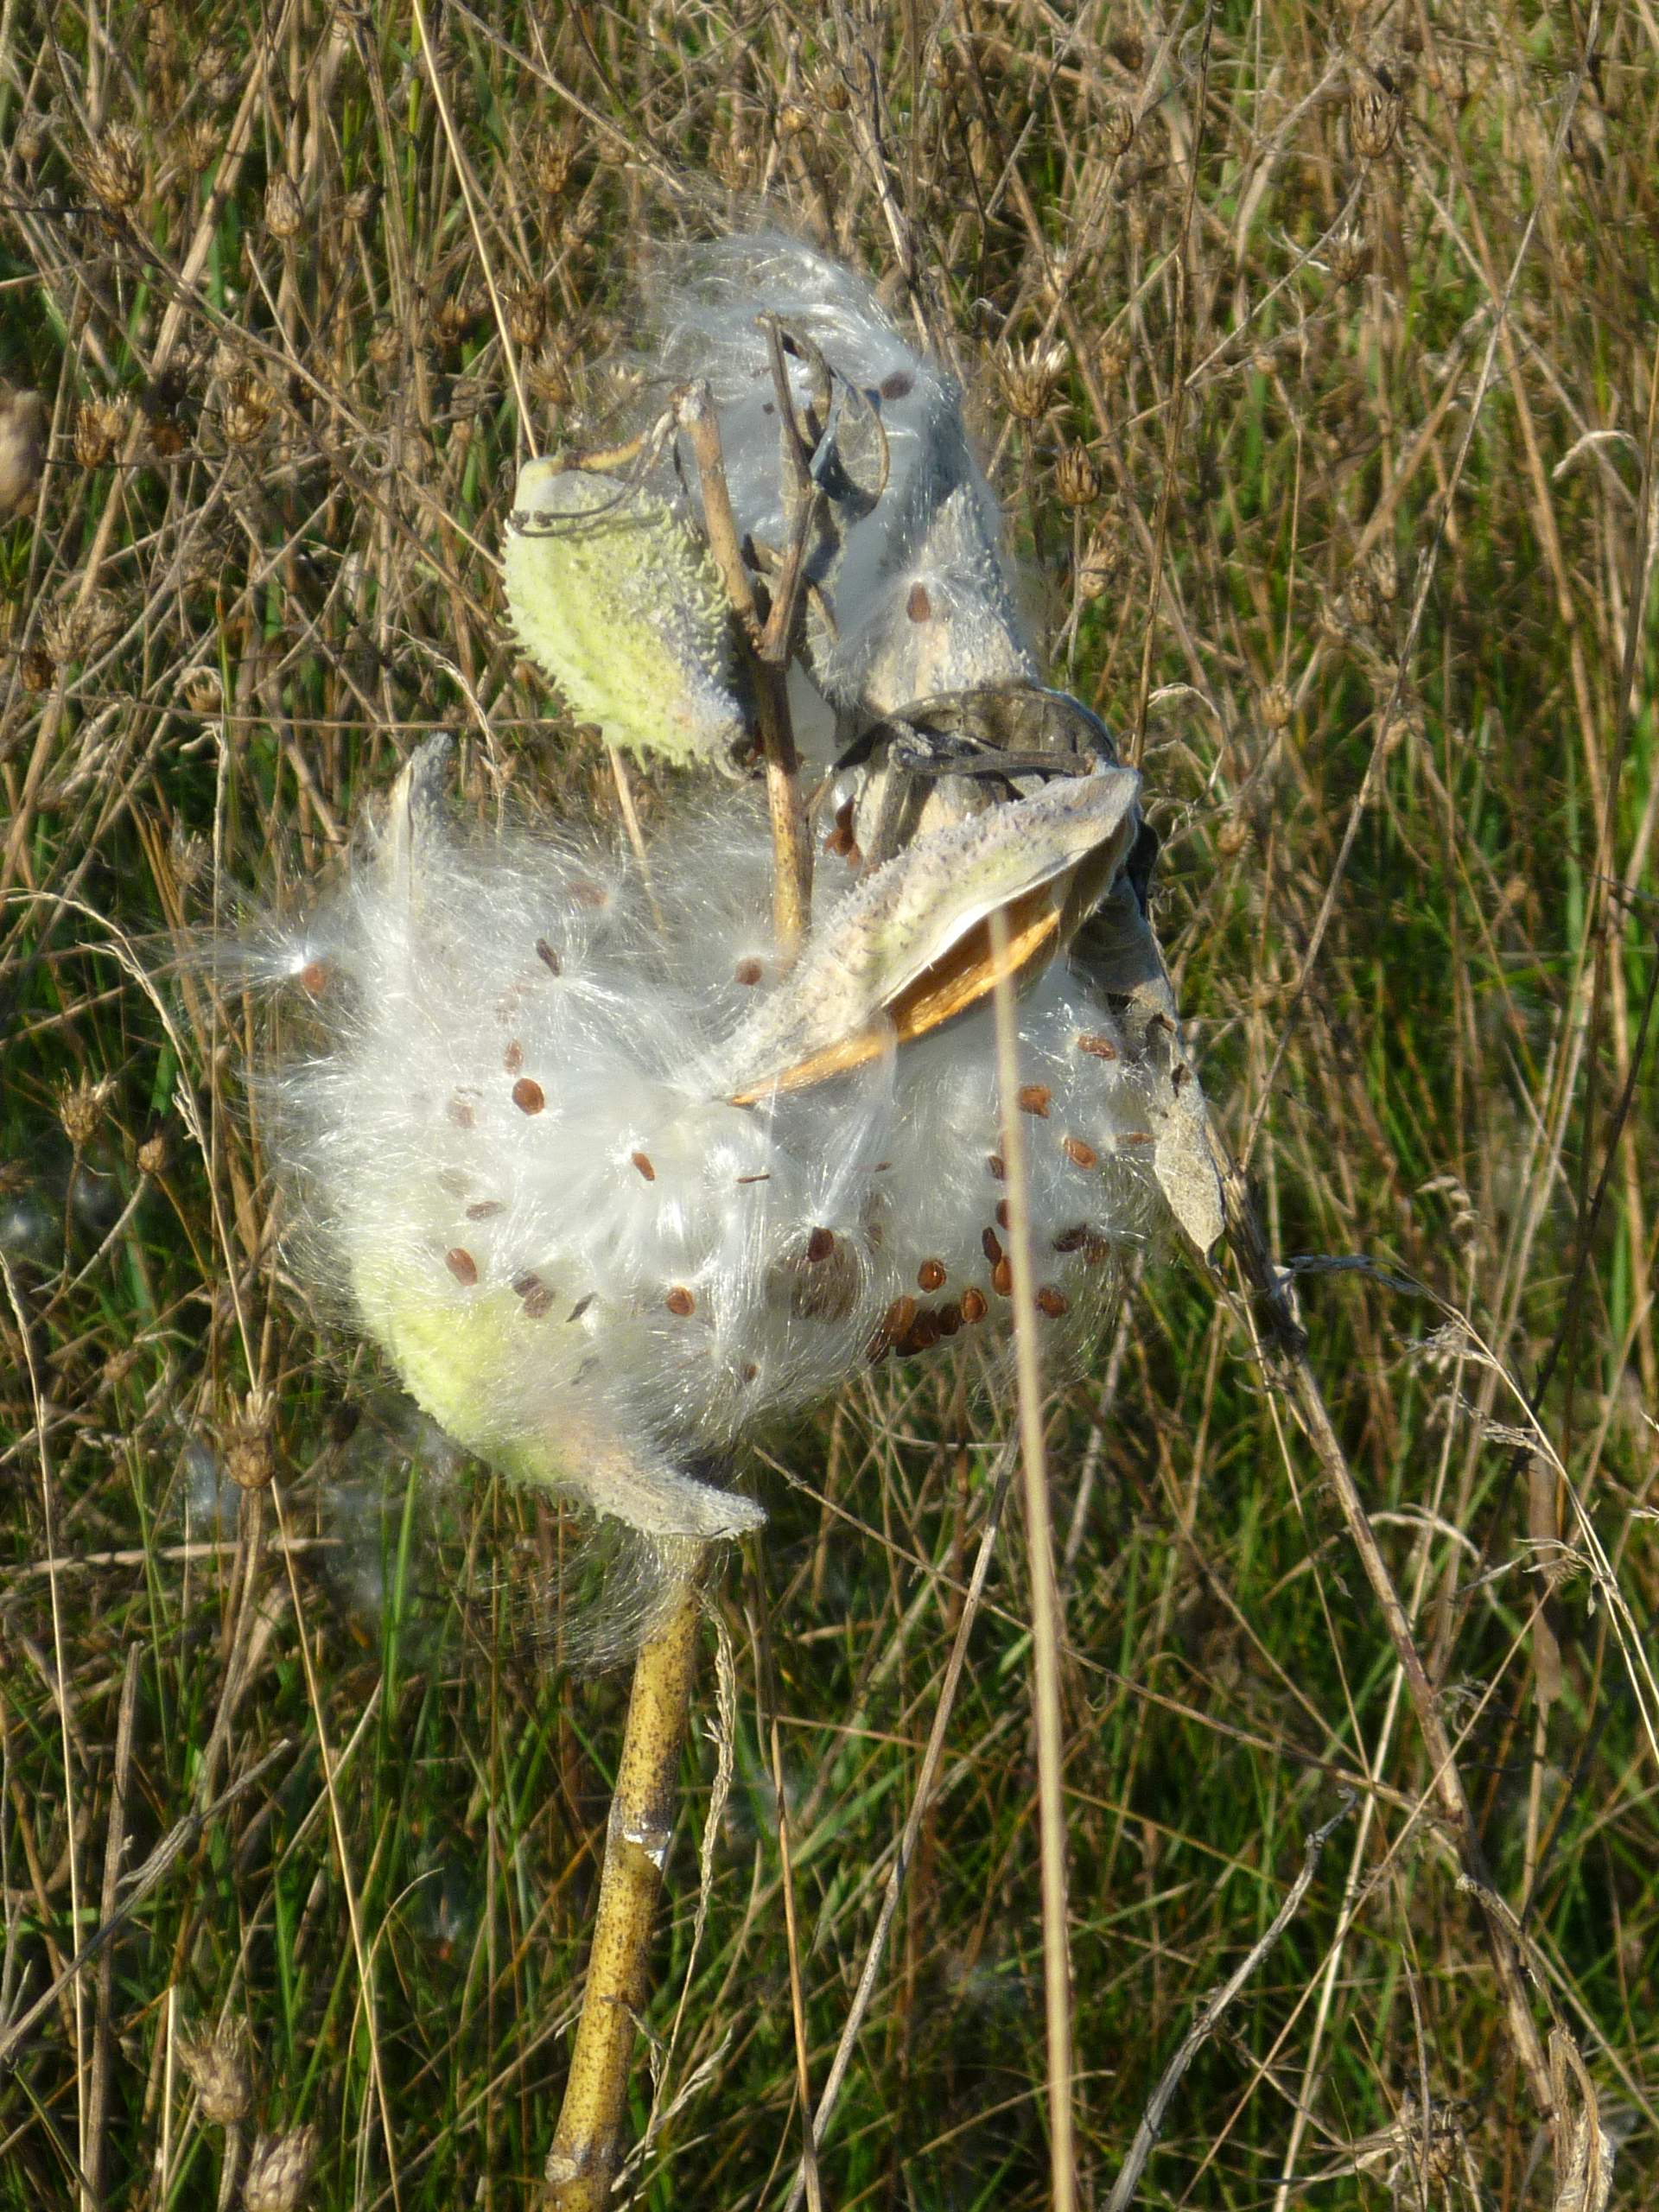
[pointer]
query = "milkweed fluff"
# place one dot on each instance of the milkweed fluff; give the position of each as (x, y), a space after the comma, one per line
(519, 1145)
(909, 563)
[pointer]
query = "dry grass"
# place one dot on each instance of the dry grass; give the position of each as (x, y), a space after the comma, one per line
(1340, 327)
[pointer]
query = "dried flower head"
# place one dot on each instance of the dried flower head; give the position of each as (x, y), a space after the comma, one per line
(1115, 353)
(31, 138)
(279, 2169)
(1103, 557)
(249, 1451)
(547, 379)
(202, 690)
(361, 202)
(247, 408)
(1274, 707)
(216, 2061)
(1075, 477)
(100, 427)
(199, 142)
(1114, 131)
(385, 344)
(114, 167)
(284, 210)
(526, 312)
(1349, 255)
(550, 166)
(1375, 110)
(1028, 375)
(80, 1108)
(454, 316)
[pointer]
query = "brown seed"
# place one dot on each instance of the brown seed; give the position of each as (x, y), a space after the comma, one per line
(1137, 1136)
(461, 1264)
(1033, 1098)
(587, 892)
(901, 383)
(528, 1095)
(923, 1332)
(1002, 1213)
(680, 1301)
(579, 1308)
(998, 1165)
(900, 1314)
(1103, 1048)
(311, 978)
(841, 839)
(538, 1302)
(751, 1372)
(991, 1244)
(545, 953)
(820, 1244)
(973, 1305)
(1002, 1278)
(1097, 1251)
(1053, 1301)
(642, 1161)
(513, 1059)
(918, 606)
(461, 1112)
(1072, 1239)
(931, 1274)
(1082, 1155)
(749, 971)
(950, 1320)
(522, 1285)
(485, 1209)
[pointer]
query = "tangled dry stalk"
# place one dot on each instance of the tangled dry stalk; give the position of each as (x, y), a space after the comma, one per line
(1314, 353)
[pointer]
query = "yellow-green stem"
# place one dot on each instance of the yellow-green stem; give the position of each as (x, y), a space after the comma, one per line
(587, 2144)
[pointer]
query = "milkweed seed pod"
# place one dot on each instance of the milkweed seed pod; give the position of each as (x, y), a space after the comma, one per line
(912, 595)
(614, 599)
(614, 1187)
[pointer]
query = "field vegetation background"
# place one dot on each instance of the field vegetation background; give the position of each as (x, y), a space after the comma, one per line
(1312, 349)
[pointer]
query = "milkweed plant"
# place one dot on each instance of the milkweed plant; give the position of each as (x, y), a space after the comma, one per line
(612, 1176)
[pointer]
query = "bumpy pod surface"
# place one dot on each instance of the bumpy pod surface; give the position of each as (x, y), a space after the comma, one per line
(555, 1141)
(616, 601)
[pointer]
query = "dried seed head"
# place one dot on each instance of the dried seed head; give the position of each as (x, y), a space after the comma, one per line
(199, 140)
(284, 211)
(1349, 256)
(114, 167)
(1126, 45)
(1103, 557)
(385, 344)
(455, 316)
(550, 166)
(31, 141)
(734, 162)
(152, 1152)
(80, 1108)
(77, 629)
(1274, 707)
(1115, 353)
(250, 1451)
(794, 121)
(1075, 477)
(1114, 132)
(202, 691)
(361, 202)
(37, 670)
(831, 90)
(279, 2169)
(1385, 572)
(1028, 375)
(100, 425)
(248, 402)
(217, 2063)
(1231, 836)
(548, 379)
(526, 309)
(1375, 109)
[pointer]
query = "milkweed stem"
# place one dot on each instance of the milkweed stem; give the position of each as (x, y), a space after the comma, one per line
(588, 2143)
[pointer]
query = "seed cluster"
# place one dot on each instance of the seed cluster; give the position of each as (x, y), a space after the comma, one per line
(587, 1260)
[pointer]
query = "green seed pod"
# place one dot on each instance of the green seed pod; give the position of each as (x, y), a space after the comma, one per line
(614, 598)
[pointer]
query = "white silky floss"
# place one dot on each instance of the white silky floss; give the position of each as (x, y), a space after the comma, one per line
(521, 1150)
(611, 1182)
